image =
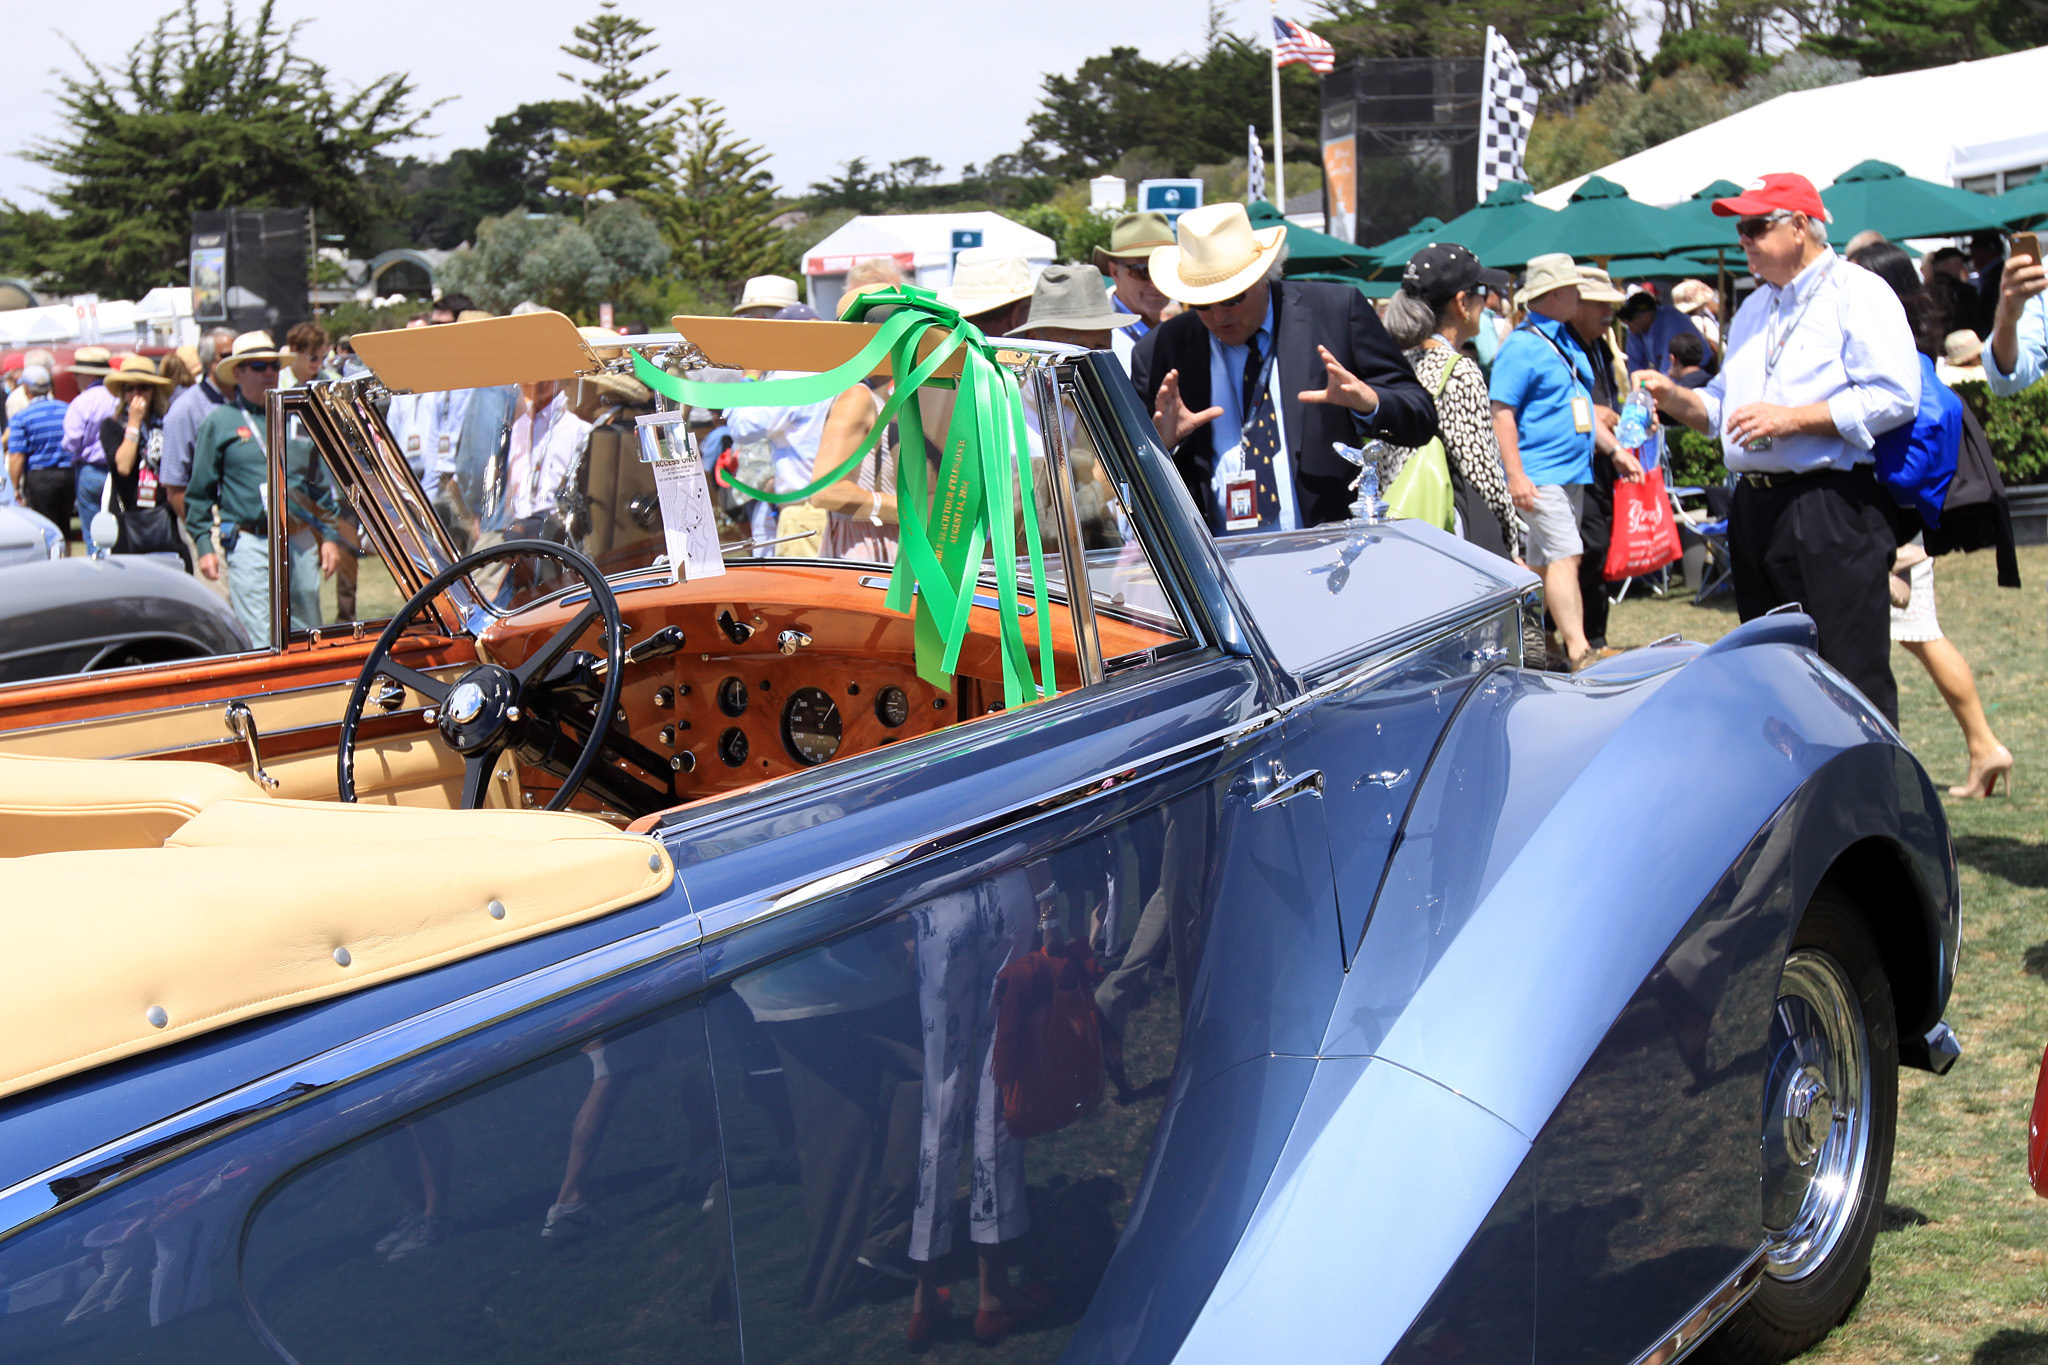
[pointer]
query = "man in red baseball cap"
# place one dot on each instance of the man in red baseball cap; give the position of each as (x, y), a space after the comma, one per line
(1820, 362)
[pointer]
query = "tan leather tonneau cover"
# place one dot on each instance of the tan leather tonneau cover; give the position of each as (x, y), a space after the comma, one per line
(113, 952)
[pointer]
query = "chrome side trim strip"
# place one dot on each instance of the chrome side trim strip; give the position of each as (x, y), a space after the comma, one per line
(1695, 1327)
(30, 1201)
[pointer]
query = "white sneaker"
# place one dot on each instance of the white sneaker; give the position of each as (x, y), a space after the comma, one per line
(567, 1222)
(425, 1234)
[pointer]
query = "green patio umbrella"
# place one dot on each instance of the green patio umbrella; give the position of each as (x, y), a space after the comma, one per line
(2024, 206)
(1393, 253)
(1673, 267)
(1372, 289)
(1308, 249)
(1877, 194)
(1599, 222)
(1504, 213)
(1701, 229)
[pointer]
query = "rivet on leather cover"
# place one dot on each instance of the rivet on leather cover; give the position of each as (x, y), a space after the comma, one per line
(215, 935)
(53, 805)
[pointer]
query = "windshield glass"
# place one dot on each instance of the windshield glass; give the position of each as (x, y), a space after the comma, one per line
(561, 461)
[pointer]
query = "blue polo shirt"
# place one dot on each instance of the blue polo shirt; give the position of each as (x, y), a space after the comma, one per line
(1532, 377)
(38, 433)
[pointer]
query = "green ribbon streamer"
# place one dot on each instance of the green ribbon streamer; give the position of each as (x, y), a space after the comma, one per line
(984, 481)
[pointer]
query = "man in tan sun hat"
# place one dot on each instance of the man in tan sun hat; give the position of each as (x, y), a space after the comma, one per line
(766, 295)
(1127, 262)
(82, 419)
(1070, 305)
(230, 468)
(1541, 394)
(1252, 386)
(991, 288)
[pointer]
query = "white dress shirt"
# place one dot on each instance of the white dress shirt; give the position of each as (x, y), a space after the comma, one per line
(542, 453)
(1838, 335)
(426, 427)
(794, 433)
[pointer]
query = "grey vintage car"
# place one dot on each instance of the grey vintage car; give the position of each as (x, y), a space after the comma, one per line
(1297, 978)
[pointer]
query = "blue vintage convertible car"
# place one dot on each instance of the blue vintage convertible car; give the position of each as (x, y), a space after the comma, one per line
(1307, 979)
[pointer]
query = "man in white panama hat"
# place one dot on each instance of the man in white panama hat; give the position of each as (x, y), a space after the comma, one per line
(991, 288)
(766, 295)
(1253, 384)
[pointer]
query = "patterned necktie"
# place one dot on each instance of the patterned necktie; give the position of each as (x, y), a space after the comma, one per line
(1261, 437)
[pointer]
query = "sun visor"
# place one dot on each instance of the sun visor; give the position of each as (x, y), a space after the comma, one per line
(813, 347)
(523, 349)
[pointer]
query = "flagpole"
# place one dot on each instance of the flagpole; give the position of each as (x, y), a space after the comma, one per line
(1279, 175)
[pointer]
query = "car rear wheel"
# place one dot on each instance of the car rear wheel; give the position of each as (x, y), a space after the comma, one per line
(1830, 1115)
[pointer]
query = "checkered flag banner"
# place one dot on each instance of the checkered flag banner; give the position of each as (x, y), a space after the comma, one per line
(1507, 110)
(1255, 163)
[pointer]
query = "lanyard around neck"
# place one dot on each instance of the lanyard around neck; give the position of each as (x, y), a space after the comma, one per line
(1775, 337)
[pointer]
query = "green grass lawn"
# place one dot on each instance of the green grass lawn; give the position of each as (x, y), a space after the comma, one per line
(1961, 1270)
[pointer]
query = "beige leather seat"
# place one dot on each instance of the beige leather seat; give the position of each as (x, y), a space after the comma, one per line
(54, 805)
(255, 906)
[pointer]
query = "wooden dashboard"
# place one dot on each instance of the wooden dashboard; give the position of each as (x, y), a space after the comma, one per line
(734, 708)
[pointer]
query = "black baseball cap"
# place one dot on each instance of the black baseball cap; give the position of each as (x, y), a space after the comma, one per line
(1496, 281)
(1439, 271)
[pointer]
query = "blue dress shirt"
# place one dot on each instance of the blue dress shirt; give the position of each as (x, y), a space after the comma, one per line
(2031, 361)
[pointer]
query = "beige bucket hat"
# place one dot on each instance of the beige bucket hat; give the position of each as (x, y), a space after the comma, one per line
(248, 346)
(1072, 297)
(771, 293)
(1218, 255)
(987, 277)
(1546, 273)
(91, 360)
(1134, 238)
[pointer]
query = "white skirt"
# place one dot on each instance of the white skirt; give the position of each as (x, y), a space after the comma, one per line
(1915, 623)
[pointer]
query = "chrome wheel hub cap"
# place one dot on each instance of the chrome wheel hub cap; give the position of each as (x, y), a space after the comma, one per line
(1816, 1129)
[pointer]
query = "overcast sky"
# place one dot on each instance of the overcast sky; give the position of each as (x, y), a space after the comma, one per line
(813, 82)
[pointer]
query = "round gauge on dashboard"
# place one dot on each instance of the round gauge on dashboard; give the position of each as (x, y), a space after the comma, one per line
(892, 707)
(732, 747)
(810, 726)
(732, 697)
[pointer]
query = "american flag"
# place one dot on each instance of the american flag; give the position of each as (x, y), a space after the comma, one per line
(1293, 43)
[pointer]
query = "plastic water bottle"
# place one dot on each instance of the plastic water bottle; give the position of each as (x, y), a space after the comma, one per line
(1635, 420)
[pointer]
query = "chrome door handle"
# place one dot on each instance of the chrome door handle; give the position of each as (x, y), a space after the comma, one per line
(1388, 779)
(1290, 787)
(242, 725)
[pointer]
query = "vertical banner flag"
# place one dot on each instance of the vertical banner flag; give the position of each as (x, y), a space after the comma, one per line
(1507, 111)
(1255, 166)
(1296, 44)
(1340, 170)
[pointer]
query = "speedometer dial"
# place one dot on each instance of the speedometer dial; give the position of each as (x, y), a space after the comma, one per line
(810, 726)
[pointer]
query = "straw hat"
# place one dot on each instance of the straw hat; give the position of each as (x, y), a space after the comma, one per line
(1072, 298)
(1962, 349)
(984, 278)
(1218, 255)
(1546, 273)
(1597, 286)
(248, 346)
(1134, 238)
(770, 293)
(91, 360)
(1689, 296)
(135, 369)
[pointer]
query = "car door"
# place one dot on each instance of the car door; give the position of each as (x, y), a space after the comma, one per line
(277, 706)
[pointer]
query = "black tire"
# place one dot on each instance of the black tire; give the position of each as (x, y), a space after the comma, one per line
(1789, 1315)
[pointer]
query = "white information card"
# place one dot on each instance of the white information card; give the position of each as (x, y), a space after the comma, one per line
(687, 523)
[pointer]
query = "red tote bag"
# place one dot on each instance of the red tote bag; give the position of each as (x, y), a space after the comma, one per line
(1048, 1048)
(1645, 535)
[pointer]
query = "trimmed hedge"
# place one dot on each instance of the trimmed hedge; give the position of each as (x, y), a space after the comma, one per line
(2017, 428)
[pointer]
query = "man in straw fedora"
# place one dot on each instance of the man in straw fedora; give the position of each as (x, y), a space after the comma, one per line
(1070, 305)
(94, 404)
(1253, 384)
(1127, 260)
(230, 474)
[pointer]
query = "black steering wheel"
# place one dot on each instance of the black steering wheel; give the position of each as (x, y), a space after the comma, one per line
(490, 708)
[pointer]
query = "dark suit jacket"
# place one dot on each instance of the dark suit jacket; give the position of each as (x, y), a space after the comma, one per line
(1306, 314)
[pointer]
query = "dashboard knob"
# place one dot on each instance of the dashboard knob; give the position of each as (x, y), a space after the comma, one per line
(790, 641)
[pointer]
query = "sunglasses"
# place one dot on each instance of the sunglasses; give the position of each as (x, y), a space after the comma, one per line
(1749, 229)
(1231, 302)
(259, 366)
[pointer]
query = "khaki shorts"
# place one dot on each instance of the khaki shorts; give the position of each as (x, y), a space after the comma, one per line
(1554, 524)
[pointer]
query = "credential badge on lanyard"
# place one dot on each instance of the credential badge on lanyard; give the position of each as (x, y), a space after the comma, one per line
(1241, 511)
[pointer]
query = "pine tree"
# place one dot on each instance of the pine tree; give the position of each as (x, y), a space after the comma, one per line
(719, 207)
(618, 135)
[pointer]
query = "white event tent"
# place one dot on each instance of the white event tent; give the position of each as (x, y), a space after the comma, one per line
(921, 243)
(1966, 123)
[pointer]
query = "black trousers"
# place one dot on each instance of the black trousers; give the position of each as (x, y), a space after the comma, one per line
(1596, 529)
(54, 493)
(1824, 541)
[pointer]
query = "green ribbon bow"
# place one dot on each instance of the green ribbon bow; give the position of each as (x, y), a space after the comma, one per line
(983, 466)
